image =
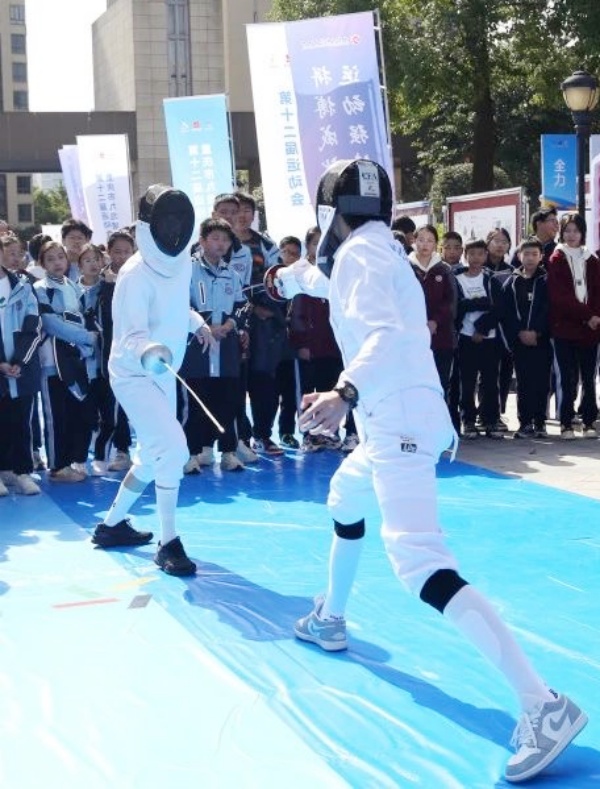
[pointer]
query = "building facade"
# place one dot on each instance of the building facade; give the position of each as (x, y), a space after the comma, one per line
(148, 50)
(16, 203)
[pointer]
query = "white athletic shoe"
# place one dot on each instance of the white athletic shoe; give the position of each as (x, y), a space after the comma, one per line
(99, 468)
(120, 462)
(8, 477)
(3, 489)
(80, 468)
(191, 467)
(231, 462)
(26, 486)
(206, 457)
(542, 735)
(245, 454)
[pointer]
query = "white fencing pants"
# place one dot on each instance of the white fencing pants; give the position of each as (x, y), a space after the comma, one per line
(161, 450)
(400, 444)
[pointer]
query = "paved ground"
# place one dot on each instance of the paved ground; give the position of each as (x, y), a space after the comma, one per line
(568, 465)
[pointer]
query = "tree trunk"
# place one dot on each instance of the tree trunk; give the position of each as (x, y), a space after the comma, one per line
(476, 25)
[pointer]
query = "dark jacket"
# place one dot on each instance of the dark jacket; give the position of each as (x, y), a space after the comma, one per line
(524, 307)
(486, 304)
(310, 327)
(569, 316)
(440, 302)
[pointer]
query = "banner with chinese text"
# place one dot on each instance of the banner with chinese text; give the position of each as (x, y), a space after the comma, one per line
(106, 183)
(317, 99)
(68, 156)
(200, 149)
(559, 171)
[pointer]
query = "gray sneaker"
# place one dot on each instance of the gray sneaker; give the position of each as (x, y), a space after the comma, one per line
(542, 735)
(329, 634)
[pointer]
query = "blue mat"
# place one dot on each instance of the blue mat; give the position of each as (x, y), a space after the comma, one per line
(113, 675)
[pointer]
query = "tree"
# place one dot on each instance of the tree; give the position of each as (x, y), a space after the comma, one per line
(476, 80)
(50, 206)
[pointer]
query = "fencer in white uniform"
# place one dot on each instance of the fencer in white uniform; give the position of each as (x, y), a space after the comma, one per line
(152, 319)
(379, 320)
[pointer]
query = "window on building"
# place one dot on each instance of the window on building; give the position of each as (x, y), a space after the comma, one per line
(3, 197)
(17, 14)
(178, 30)
(20, 100)
(19, 72)
(25, 213)
(17, 44)
(24, 184)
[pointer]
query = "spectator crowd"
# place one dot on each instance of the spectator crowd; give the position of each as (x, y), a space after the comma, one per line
(531, 321)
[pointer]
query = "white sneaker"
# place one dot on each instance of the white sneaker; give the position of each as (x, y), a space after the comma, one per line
(245, 454)
(99, 468)
(350, 443)
(589, 432)
(80, 468)
(120, 462)
(67, 474)
(206, 457)
(567, 434)
(231, 462)
(542, 735)
(26, 485)
(8, 477)
(3, 489)
(191, 467)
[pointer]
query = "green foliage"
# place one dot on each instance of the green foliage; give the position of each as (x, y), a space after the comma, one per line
(476, 80)
(456, 179)
(51, 206)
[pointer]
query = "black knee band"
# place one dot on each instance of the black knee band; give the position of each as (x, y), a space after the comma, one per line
(350, 531)
(441, 587)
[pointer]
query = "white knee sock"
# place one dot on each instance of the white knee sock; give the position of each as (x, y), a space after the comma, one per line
(473, 615)
(129, 492)
(166, 504)
(343, 563)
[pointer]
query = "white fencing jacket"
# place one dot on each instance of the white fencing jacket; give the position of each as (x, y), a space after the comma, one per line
(377, 312)
(151, 304)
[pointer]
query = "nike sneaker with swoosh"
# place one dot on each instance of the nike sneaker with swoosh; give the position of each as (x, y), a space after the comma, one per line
(329, 634)
(541, 735)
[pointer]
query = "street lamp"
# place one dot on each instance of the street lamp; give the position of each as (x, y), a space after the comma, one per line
(581, 94)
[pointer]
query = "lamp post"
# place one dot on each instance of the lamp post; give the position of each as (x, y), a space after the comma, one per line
(581, 94)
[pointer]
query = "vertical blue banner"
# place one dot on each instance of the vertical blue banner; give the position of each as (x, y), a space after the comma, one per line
(335, 74)
(559, 171)
(200, 149)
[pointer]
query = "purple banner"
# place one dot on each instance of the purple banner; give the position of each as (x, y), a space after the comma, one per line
(335, 74)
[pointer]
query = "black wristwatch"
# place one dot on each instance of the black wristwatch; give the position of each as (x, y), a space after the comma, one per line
(348, 392)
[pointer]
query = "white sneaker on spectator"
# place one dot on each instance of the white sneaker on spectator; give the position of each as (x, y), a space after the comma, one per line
(80, 468)
(245, 454)
(191, 467)
(206, 457)
(26, 485)
(8, 477)
(120, 462)
(66, 474)
(3, 489)
(99, 468)
(231, 462)
(350, 443)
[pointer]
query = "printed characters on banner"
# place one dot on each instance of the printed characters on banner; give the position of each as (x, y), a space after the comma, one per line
(200, 150)
(317, 99)
(559, 171)
(106, 182)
